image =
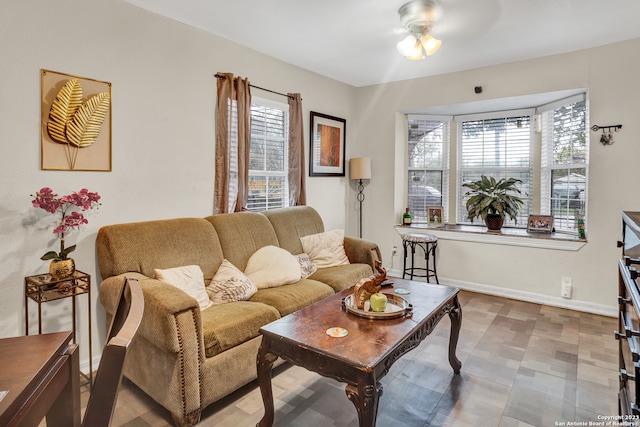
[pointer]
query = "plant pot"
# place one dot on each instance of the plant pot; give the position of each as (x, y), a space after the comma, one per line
(494, 222)
(62, 268)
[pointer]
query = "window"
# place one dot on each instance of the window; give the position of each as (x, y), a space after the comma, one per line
(427, 168)
(232, 125)
(564, 162)
(268, 157)
(550, 157)
(498, 145)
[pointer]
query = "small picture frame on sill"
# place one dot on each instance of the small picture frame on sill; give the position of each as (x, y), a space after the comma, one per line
(327, 145)
(435, 215)
(540, 223)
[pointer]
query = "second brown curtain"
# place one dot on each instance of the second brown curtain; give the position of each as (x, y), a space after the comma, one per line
(233, 139)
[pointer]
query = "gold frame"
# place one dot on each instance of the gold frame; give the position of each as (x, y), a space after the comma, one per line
(61, 156)
(430, 216)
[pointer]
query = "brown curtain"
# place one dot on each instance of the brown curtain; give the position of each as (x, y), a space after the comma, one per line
(233, 138)
(297, 191)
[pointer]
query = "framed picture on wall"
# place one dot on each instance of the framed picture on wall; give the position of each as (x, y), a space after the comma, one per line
(76, 123)
(327, 145)
(434, 215)
(540, 223)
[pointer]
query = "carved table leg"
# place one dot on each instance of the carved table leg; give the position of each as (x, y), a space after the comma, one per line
(264, 364)
(455, 314)
(365, 398)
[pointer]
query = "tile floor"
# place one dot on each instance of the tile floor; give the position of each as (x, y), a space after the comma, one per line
(523, 365)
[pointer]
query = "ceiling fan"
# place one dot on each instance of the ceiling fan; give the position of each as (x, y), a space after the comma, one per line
(417, 17)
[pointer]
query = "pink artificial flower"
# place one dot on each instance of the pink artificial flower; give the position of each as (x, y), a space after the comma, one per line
(84, 199)
(74, 219)
(47, 200)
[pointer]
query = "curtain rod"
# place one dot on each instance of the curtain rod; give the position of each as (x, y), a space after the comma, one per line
(219, 76)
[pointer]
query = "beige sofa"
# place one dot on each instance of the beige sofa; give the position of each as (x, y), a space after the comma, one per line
(185, 358)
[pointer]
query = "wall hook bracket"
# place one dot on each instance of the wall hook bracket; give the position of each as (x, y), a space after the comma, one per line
(596, 128)
(606, 139)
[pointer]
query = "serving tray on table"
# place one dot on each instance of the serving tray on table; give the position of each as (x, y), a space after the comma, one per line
(396, 307)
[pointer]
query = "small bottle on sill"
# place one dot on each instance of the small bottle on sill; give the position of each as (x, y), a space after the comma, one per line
(407, 217)
(581, 233)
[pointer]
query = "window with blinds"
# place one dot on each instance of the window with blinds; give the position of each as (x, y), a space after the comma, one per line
(564, 162)
(232, 126)
(268, 157)
(427, 184)
(497, 145)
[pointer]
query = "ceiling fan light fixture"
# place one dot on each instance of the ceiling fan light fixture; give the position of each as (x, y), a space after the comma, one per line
(417, 17)
(417, 54)
(407, 46)
(430, 44)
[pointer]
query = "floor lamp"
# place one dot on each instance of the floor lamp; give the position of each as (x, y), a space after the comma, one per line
(360, 168)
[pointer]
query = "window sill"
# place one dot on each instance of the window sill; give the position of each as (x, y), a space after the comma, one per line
(506, 236)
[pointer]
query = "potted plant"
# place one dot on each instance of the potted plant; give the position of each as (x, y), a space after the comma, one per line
(67, 208)
(491, 200)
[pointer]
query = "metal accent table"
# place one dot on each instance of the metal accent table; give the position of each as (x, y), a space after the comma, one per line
(43, 288)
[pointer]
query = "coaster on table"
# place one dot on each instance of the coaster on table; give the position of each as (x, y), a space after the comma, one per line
(402, 291)
(337, 332)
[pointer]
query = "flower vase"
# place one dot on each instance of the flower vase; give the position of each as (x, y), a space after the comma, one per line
(59, 269)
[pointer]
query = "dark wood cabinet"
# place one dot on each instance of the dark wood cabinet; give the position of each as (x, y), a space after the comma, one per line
(628, 333)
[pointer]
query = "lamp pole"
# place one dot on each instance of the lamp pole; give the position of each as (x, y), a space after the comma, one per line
(360, 198)
(360, 169)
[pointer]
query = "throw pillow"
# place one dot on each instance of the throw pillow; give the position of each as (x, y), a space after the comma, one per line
(229, 285)
(188, 278)
(271, 266)
(325, 249)
(306, 266)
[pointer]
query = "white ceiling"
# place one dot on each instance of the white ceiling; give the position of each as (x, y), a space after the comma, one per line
(354, 41)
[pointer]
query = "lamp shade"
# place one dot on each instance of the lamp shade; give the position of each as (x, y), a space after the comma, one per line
(360, 168)
(430, 44)
(407, 46)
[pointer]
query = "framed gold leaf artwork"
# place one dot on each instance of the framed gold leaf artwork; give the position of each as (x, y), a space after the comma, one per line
(76, 123)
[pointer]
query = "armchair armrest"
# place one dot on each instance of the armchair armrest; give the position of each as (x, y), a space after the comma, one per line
(164, 304)
(362, 251)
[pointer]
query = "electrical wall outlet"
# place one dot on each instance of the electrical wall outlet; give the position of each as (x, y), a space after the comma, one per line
(394, 251)
(566, 287)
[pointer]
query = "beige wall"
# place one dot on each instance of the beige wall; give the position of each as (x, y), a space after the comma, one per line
(164, 96)
(163, 144)
(610, 75)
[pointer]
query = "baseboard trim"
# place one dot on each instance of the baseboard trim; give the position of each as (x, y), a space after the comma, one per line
(571, 304)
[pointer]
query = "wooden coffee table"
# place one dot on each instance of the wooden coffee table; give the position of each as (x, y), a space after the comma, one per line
(362, 357)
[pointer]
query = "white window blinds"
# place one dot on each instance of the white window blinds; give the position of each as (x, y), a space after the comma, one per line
(497, 145)
(268, 165)
(428, 158)
(564, 162)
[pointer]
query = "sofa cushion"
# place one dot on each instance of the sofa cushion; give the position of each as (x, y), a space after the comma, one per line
(306, 266)
(143, 246)
(227, 325)
(241, 234)
(342, 276)
(272, 266)
(229, 285)
(325, 249)
(292, 223)
(289, 298)
(189, 279)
